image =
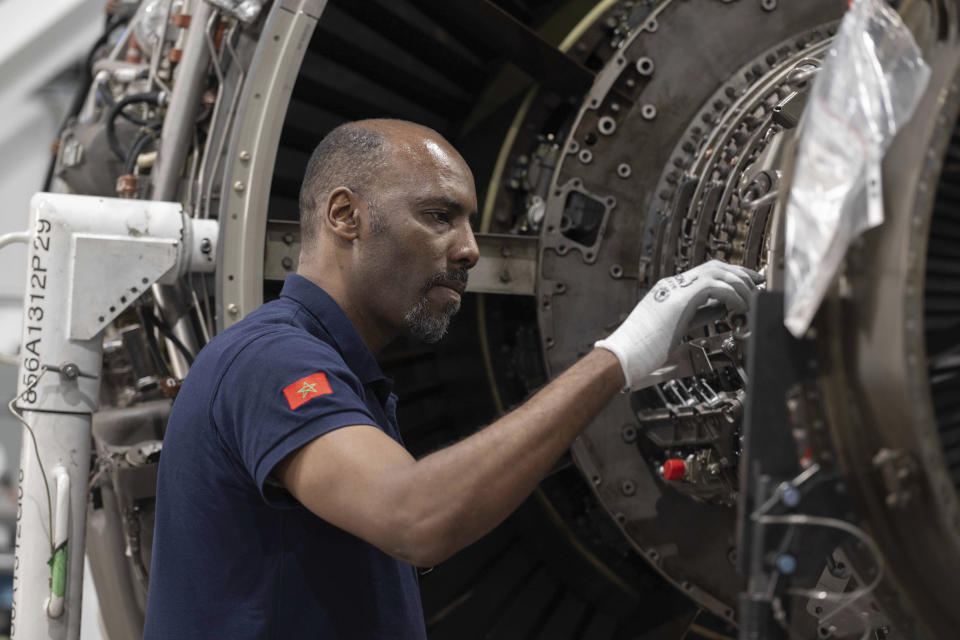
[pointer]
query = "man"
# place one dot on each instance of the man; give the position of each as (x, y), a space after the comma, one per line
(287, 506)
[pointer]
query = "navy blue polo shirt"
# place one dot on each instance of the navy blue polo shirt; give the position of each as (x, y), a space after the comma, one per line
(236, 556)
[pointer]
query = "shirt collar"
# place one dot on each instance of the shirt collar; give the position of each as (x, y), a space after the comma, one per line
(336, 325)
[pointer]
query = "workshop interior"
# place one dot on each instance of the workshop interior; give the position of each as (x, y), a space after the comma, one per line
(796, 478)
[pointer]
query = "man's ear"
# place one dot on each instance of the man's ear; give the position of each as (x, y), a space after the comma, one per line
(341, 216)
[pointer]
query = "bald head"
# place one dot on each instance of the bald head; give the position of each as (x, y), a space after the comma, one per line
(356, 155)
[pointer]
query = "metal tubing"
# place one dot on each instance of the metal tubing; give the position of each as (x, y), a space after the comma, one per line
(183, 108)
(174, 143)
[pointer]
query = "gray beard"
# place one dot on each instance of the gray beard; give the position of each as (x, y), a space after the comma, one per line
(426, 327)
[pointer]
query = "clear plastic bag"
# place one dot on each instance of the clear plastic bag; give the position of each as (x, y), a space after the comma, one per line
(870, 83)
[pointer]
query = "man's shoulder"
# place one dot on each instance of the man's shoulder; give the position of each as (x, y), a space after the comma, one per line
(269, 337)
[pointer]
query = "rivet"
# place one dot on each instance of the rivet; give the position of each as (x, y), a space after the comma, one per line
(239, 186)
(233, 309)
(244, 155)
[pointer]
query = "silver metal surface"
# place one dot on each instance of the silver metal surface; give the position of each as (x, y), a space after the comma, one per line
(250, 159)
(507, 264)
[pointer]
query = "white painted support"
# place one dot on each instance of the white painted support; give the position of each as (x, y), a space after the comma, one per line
(88, 259)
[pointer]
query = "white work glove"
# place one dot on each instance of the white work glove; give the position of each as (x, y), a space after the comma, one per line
(644, 340)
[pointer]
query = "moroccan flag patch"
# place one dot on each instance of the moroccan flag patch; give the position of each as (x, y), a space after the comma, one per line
(306, 389)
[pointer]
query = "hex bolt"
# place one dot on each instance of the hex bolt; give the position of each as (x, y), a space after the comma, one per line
(729, 347)
(624, 170)
(627, 488)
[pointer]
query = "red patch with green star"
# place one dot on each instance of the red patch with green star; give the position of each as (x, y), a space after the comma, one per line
(306, 389)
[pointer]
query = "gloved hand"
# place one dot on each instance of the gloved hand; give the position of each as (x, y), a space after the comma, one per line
(644, 340)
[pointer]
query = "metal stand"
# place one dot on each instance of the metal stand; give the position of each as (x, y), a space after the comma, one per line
(89, 258)
(786, 498)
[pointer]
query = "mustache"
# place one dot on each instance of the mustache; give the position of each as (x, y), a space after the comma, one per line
(455, 275)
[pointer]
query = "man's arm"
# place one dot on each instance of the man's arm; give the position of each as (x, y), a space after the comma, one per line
(422, 511)
(361, 480)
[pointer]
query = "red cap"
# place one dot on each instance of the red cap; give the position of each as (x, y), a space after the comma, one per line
(674, 469)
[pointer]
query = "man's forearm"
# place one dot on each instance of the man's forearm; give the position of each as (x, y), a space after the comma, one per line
(468, 488)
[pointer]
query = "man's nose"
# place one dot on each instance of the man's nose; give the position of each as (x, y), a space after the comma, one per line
(465, 252)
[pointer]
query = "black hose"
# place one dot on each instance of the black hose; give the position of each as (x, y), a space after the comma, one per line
(169, 335)
(146, 137)
(146, 319)
(136, 98)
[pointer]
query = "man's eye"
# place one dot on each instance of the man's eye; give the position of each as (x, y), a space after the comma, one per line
(441, 216)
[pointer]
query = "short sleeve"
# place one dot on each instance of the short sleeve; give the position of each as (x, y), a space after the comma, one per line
(281, 391)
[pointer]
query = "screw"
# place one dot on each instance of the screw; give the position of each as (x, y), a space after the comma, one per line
(206, 246)
(789, 496)
(786, 564)
(70, 371)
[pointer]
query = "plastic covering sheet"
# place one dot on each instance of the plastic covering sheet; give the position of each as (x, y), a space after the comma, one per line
(869, 84)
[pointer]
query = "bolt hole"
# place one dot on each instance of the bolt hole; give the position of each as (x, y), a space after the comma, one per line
(560, 287)
(101, 319)
(144, 281)
(123, 299)
(112, 309)
(133, 289)
(590, 138)
(589, 255)
(645, 66)
(230, 277)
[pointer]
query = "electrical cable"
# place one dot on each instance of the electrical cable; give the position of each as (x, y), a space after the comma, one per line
(152, 343)
(169, 335)
(146, 137)
(36, 451)
(111, 127)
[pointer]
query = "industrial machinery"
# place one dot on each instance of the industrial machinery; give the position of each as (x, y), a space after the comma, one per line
(613, 143)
